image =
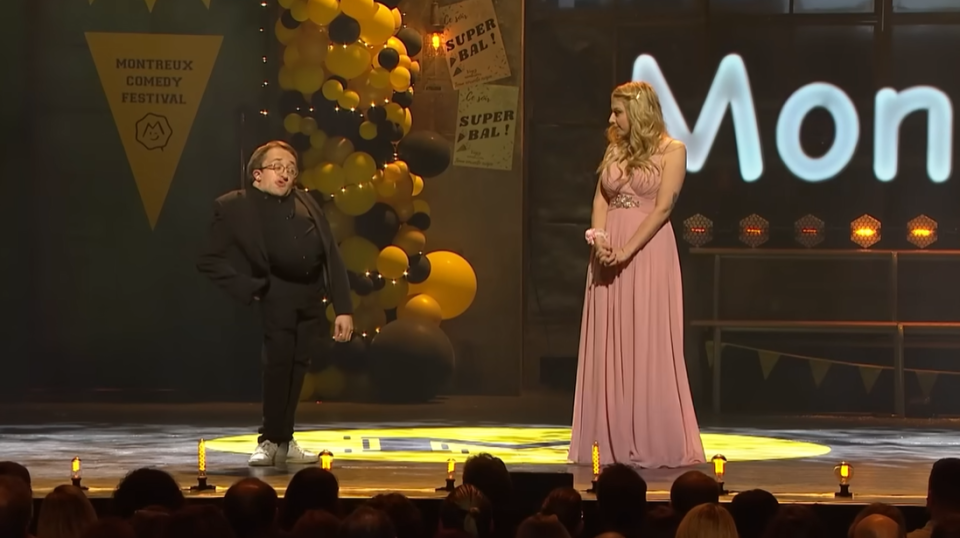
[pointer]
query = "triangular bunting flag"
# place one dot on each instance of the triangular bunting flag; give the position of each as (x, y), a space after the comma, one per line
(926, 380)
(154, 84)
(710, 352)
(819, 371)
(150, 4)
(869, 376)
(206, 3)
(768, 360)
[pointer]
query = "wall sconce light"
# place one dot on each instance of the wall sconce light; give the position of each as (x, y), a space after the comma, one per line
(754, 231)
(922, 231)
(436, 27)
(809, 231)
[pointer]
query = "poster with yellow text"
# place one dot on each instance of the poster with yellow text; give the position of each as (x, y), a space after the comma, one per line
(154, 84)
(473, 43)
(486, 127)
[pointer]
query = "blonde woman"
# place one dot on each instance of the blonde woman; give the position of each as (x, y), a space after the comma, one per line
(707, 521)
(65, 513)
(633, 397)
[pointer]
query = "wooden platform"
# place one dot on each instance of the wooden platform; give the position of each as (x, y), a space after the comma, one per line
(405, 448)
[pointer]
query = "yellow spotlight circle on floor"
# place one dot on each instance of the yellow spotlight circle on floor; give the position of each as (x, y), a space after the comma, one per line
(514, 445)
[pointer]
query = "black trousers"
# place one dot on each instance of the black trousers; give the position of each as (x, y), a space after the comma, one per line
(294, 328)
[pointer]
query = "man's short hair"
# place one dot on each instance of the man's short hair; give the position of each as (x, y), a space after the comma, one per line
(944, 484)
(16, 506)
(258, 155)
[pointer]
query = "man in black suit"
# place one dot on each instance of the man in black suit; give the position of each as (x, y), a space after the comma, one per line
(271, 243)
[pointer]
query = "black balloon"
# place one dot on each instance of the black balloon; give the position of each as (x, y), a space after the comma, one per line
(391, 314)
(379, 225)
(390, 4)
(404, 99)
(410, 39)
(376, 114)
(338, 78)
(350, 356)
(409, 361)
(344, 30)
(362, 284)
(291, 102)
(287, 20)
(347, 123)
(427, 153)
(420, 221)
(414, 78)
(419, 269)
(300, 142)
(378, 281)
(388, 58)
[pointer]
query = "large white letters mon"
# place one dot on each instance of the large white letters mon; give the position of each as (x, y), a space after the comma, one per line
(731, 87)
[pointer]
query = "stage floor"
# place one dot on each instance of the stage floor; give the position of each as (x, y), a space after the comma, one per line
(405, 448)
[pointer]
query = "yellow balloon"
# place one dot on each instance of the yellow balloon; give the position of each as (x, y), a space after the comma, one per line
(330, 178)
(417, 185)
(397, 45)
(348, 61)
(369, 318)
(322, 12)
(405, 62)
(400, 79)
(332, 314)
(404, 209)
(359, 167)
(386, 189)
(356, 200)
(298, 10)
(328, 384)
(407, 123)
(332, 89)
(358, 9)
(404, 185)
(341, 225)
(337, 149)
(285, 35)
(379, 78)
(368, 130)
(392, 172)
(312, 48)
(421, 206)
(307, 79)
(312, 157)
(318, 139)
(452, 282)
(414, 67)
(359, 255)
(308, 126)
(308, 178)
(402, 165)
(286, 4)
(375, 30)
(397, 19)
(285, 78)
(410, 239)
(291, 56)
(291, 123)
(393, 293)
(348, 100)
(421, 307)
(392, 262)
(394, 112)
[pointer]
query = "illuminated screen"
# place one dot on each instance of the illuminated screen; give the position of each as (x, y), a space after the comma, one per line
(796, 120)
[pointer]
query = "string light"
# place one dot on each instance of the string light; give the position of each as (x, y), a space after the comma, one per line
(265, 36)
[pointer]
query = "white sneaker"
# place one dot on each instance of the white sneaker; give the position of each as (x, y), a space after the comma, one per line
(299, 456)
(265, 454)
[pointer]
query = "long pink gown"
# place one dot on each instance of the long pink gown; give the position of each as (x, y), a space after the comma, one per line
(633, 397)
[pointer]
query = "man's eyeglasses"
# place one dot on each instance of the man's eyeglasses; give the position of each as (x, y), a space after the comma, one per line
(277, 167)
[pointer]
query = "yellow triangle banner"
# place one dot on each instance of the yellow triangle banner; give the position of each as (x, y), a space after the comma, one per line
(819, 369)
(926, 380)
(154, 84)
(768, 360)
(150, 4)
(709, 352)
(869, 376)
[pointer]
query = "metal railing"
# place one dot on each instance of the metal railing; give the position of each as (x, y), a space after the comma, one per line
(894, 327)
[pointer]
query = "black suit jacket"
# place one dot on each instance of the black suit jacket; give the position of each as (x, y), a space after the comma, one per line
(235, 255)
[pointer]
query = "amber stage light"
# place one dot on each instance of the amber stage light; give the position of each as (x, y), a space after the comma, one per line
(922, 231)
(698, 230)
(865, 231)
(754, 231)
(844, 473)
(809, 231)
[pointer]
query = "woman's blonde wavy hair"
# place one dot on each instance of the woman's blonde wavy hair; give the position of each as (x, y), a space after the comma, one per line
(707, 521)
(647, 128)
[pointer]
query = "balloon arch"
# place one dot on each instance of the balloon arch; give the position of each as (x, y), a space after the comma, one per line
(348, 75)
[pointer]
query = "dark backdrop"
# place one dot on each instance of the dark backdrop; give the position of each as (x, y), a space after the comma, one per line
(578, 50)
